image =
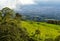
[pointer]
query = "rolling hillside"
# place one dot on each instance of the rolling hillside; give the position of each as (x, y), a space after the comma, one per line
(46, 30)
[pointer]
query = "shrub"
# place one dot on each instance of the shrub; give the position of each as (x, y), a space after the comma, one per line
(10, 29)
(12, 33)
(57, 38)
(48, 39)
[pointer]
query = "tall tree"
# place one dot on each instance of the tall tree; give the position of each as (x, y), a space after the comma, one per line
(10, 30)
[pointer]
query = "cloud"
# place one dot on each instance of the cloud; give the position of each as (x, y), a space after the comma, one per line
(13, 3)
(47, 0)
(7, 3)
(25, 2)
(41, 0)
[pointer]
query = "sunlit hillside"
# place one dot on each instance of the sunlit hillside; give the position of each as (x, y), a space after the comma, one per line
(46, 30)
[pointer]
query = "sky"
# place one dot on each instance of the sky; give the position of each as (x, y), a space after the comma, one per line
(32, 6)
(13, 3)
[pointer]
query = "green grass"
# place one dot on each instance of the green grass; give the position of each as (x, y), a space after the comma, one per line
(46, 30)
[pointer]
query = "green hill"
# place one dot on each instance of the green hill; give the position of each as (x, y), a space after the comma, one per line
(13, 28)
(46, 30)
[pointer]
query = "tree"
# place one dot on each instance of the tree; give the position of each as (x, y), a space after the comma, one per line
(0, 16)
(10, 30)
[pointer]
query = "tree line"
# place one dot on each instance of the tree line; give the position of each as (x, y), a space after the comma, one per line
(57, 22)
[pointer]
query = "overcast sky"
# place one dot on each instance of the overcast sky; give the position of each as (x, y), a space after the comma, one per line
(13, 3)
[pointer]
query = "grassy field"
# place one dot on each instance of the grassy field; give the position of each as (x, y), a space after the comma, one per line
(46, 30)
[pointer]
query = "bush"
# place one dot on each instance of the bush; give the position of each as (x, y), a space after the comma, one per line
(48, 39)
(10, 29)
(12, 33)
(35, 36)
(57, 38)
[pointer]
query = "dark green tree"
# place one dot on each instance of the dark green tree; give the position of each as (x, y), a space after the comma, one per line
(10, 28)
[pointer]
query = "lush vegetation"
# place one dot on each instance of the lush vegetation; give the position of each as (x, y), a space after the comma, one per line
(57, 22)
(45, 30)
(12, 28)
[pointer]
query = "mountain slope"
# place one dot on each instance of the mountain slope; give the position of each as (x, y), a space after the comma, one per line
(46, 30)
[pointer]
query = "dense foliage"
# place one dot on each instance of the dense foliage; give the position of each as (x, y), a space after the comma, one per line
(57, 22)
(10, 29)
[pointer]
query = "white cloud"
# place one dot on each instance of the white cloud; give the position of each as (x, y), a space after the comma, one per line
(13, 3)
(7, 3)
(44, 0)
(48, 0)
(24, 2)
